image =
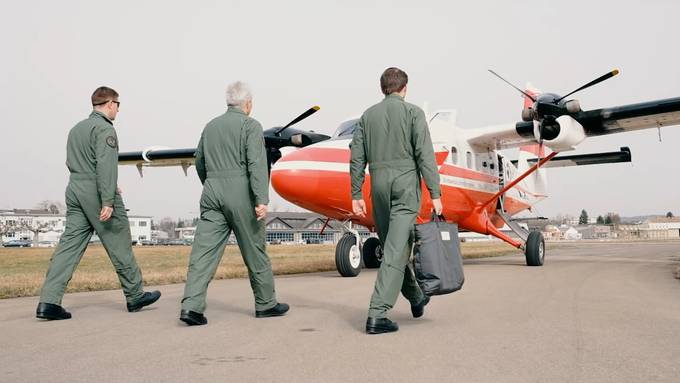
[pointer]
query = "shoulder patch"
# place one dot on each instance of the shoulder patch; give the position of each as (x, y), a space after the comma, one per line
(111, 141)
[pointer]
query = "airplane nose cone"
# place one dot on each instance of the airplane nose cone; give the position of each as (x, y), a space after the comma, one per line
(316, 179)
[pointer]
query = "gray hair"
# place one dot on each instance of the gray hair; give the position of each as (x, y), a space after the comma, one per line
(238, 93)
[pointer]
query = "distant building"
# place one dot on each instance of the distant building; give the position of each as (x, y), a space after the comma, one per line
(157, 235)
(19, 219)
(298, 227)
(594, 231)
(551, 233)
(569, 233)
(54, 225)
(186, 233)
(655, 228)
(664, 223)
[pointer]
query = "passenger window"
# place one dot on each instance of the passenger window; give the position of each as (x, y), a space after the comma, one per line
(454, 155)
(468, 158)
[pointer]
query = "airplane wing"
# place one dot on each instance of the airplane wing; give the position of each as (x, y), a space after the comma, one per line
(597, 122)
(158, 157)
(622, 155)
(274, 140)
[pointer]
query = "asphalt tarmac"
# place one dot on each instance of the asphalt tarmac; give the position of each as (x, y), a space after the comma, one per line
(594, 313)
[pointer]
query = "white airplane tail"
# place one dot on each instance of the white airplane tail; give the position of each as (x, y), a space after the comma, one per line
(535, 185)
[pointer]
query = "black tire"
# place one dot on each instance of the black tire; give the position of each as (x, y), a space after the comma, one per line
(347, 263)
(372, 253)
(535, 249)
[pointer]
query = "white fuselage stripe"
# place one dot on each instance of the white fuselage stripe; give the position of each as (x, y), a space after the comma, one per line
(446, 180)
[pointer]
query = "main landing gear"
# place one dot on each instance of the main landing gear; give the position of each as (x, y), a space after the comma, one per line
(352, 253)
(534, 249)
(534, 244)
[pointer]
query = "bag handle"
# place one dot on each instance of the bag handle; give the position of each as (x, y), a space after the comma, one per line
(437, 218)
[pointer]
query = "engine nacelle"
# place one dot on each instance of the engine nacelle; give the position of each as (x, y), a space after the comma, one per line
(570, 134)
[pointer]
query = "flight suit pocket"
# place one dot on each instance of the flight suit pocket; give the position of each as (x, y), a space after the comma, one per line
(406, 192)
(208, 197)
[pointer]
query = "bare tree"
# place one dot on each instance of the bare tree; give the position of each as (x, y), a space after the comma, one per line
(36, 228)
(612, 219)
(54, 207)
(6, 228)
(168, 225)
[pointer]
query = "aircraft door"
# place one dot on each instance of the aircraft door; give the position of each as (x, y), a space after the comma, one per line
(501, 181)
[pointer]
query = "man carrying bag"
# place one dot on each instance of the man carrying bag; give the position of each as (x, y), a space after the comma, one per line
(392, 137)
(437, 261)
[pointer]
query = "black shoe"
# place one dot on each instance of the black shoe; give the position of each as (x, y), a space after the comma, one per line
(380, 326)
(50, 311)
(419, 309)
(146, 299)
(276, 311)
(192, 318)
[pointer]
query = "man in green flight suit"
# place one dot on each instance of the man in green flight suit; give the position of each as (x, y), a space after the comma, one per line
(93, 203)
(232, 165)
(392, 137)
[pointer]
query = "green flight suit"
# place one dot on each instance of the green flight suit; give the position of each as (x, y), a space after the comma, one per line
(92, 159)
(232, 164)
(393, 138)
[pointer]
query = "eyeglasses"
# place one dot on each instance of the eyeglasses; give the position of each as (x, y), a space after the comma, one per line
(113, 101)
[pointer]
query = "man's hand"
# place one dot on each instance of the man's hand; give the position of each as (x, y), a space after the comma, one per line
(359, 207)
(105, 213)
(260, 211)
(437, 203)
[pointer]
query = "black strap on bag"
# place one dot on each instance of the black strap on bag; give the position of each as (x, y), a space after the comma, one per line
(438, 264)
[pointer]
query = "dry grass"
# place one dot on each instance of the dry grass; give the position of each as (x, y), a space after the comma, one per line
(22, 271)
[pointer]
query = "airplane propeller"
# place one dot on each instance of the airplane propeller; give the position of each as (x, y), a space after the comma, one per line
(279, 137)
(548, 107)
(299, 118)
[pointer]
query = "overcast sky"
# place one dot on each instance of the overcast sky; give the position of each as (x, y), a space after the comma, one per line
(171, 61)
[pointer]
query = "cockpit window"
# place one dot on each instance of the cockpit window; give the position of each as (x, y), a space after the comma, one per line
(346, 128)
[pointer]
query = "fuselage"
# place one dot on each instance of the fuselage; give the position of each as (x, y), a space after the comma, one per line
(317, 178)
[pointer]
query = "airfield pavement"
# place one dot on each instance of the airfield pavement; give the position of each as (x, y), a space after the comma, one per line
(594, 313)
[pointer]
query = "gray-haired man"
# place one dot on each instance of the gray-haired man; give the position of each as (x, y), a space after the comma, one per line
(232, 165)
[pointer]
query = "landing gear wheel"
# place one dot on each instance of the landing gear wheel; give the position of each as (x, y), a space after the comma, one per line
(372, 253)
(348, 256)
(535, 249)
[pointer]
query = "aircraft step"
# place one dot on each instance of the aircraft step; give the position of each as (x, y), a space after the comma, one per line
(513, 225)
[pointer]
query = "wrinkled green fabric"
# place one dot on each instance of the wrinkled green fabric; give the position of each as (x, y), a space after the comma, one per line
(392, 137)
(92, 159)
(232, 165)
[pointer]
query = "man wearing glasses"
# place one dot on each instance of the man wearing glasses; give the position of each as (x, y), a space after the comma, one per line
(93, 204)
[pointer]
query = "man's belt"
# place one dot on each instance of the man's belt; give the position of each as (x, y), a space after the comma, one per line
(404, 164)
(228, 173)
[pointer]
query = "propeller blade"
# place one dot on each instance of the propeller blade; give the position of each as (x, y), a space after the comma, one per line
(588, 85)
(532, 98)
(299, 118)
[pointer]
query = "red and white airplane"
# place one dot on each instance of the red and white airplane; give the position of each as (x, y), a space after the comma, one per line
(481, 189)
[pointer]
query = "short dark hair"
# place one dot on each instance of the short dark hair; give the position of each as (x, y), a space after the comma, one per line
(102, 95)
(393, 80)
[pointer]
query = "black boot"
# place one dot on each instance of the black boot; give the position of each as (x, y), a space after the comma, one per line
(380, 326)
(419, 309)
(276, 311)
(146, 299)
(192, 318)
(51, 311)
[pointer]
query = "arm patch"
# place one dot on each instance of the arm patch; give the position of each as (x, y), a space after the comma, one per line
(112, 142)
